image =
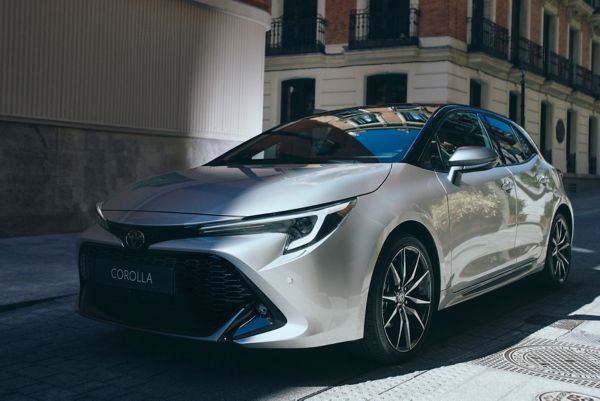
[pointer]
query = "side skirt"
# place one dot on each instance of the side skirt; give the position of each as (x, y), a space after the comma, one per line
(515, 273)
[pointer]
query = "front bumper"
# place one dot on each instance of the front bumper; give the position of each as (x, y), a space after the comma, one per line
(313, 297)
(205, 296)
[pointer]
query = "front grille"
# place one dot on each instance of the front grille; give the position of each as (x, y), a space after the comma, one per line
(207, 291)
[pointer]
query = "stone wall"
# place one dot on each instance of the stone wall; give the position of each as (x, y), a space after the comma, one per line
(52, 176)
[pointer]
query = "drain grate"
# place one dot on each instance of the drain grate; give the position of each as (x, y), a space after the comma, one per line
(566, 396)
(555, 360)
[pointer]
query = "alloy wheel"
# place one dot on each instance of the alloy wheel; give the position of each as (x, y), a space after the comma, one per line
(406, 299)
(561, 250)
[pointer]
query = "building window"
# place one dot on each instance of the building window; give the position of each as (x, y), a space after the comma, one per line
(593, 146)
(546, 131)
(575, 46)
(299, 23)
(484, 9)
(571, 141)
(521, 17)
(388, 19)
(522, 49)
(513, 107)
(386, 88)
(300, 29)
(596, 58)
(297, 98)
(475, 91)
(549, 34)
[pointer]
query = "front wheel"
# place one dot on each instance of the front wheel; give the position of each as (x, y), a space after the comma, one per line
(558, 254)
(401, 301)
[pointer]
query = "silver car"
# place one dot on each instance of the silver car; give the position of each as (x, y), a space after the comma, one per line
(356, 224)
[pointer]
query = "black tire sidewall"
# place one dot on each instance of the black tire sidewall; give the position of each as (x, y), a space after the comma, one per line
(374, 331)
(551, 279)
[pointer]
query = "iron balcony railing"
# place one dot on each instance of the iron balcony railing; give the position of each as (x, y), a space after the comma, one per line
(581, 79)
(293, 36)
(370, 30)
(528, 55)
(489, 37)
(558, 68)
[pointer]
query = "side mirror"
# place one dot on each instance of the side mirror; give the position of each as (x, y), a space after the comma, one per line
(468, 159)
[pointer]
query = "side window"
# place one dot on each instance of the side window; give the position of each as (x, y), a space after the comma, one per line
(459, 129)
(528, 149)
(508, 142)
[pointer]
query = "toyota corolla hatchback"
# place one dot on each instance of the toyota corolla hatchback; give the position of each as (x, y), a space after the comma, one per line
(356, 224)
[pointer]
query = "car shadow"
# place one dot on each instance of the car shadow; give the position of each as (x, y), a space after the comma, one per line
(463, 333)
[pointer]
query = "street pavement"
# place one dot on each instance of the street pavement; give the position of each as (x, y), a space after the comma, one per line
(35, 268)
(518, 343)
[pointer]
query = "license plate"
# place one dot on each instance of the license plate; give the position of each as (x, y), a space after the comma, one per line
(143, 278)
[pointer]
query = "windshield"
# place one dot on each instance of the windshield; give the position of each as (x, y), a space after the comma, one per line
(366, 135)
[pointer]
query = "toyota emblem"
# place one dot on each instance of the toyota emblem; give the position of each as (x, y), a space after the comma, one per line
(134, 239)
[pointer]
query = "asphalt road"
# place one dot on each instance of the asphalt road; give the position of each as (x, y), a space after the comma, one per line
(48, 352)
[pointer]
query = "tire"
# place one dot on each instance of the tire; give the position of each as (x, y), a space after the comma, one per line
(398, 317)
(558, 254)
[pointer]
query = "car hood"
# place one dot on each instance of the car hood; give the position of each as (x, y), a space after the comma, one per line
(248, 191)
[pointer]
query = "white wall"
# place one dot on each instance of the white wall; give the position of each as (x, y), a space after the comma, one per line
(171, 67)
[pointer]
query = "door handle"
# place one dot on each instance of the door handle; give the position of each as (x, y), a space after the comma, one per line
(542, 179)
(507, 185)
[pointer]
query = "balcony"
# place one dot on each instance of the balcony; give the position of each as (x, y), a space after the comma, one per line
(295, 36)
(489, 37)
(371, 30)
(581, 79)
(558, 69)
(561, 70)
(528, 55)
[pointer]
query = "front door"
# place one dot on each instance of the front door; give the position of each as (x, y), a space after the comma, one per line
(535, 199)
(481, 208)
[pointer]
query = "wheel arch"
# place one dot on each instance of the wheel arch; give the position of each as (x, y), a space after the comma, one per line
(420, 231)
(565, 210)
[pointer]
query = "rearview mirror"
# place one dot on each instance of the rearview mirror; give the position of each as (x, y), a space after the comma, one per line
(468, 159)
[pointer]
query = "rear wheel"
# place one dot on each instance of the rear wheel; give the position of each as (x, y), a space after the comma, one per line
(401, 301)
(558, 255)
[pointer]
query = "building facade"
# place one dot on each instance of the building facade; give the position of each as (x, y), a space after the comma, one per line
(328, 54)
(97, 94)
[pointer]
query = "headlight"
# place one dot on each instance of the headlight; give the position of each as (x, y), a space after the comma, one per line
(102, 222)
(303, 228)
